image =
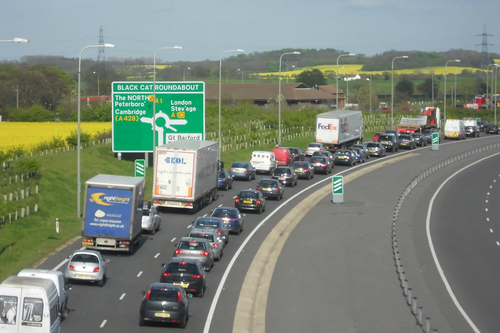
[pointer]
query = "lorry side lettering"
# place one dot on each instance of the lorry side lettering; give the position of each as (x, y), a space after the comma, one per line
(329, 127)
(175, 160)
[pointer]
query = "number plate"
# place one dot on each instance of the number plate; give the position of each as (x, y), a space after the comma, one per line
(282, 178)
(267, 189)
(372, 150)
(183, 285)
(341, 157)
(162, 314)
(247, 201)
(385, 142)
(83, 276)
(88, 243)
(298, 170)
(403, 144)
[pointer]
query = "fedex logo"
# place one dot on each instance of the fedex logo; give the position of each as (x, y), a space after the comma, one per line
(328, 127)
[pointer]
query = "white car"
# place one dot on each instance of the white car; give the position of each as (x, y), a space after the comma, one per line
(86, 265)
(151, 219)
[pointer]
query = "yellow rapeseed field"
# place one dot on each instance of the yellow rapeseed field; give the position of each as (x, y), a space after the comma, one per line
(356, 69)
(28, 134)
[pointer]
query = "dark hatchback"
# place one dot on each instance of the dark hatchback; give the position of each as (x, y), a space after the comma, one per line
(321, 164)
(225, 180)
(493, 129)
(250, 200)
(389, 141)
(286, 176)
(271, 188)
(345, 157)
(297, 153)
(303, 170)
(472, 131)
(325, 153)
(233, 219)
(420, 140)
(164, 303)
(187, 273)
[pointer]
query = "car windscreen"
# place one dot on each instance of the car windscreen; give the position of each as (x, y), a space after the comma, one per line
(85, 258)
(207, 223)
(225, 213)
(239, 165)
(184, 268)
(191, 245)
(204, 235)
(268, 183)
(249, 194)
(166, 295)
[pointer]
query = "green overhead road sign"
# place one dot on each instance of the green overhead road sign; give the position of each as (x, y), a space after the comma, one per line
(180, 114)
(435, 141)
(338, 189)
(140, 168)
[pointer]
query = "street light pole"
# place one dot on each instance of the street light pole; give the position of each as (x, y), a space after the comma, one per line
(370, 92)
(184, 73)
(98, 90)
(239, 70)
(445, 72)
(432, 88)
(220, 98)
(392, 88)
(78, 144)
(337, 86)
(488, 82)
(495, 71)
(455, 90)
(279, 96)
(154, 99)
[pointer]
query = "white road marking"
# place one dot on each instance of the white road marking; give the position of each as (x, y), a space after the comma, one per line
(494, 180)
(157, 255)
(491, 230)
(140, 273)
(486, 209)
(172, 240)
(491, 186)
(122, 296)
(250, 188)
(205, 215)
(488, 193)
(498, 243)
(63, 262)
(189, 226)
(235, 197)
(219, 205)
(488, 219)
(486, 200)
(103, 323)
(433, 251)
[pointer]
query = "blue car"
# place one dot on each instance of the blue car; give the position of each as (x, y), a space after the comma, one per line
(233, 219)
(225, 180)
(360, 155)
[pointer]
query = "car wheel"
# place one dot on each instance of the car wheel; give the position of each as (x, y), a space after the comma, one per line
(184, 323)
(260, 210)
(238, 232)
(153, 231)
(202, 292)
(227, 186)
(141, 322)
(101, 282)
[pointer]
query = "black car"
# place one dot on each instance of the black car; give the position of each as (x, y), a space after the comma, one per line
(250, 200)
(472, 131)
(420, 140)
(345, 157)
(303, 170)
(225, 180)
(389, 141)
(271, 188)
(297, 153)
(321, 164)
(483, 126)
(326, 154)
(164, 303)
(407, 141)
(242, 170)
(286, 176)
(493, 129)
(187, 273)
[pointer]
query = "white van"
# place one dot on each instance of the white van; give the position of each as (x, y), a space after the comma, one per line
(29, 304)
(59, 281)
(454, 129)
(263, 161)
(470, 122)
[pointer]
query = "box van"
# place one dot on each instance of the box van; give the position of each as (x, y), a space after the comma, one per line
(454, 129)
(263, 161)
(59, 281)
(283, 156)
(29, 304)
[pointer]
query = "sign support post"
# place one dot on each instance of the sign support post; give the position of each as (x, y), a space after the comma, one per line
(338, 189)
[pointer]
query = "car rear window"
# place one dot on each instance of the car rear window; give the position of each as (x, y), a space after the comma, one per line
(407, 137)
(167, 295)
(207, 223)
(85, 258)
(385, 137)
(314, 145)
(294, 150)
(342, 153)
(205, 235)
(225, 213)
(239, 165)
(191, 245)
(282, 171)
(185, 268)
(372, 144)
(222, 174)
(145, 212)
(249, 194)
(300, 164)
(266, 183)
(318, 160)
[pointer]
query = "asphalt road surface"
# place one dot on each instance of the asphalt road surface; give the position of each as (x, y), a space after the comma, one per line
(115, 307)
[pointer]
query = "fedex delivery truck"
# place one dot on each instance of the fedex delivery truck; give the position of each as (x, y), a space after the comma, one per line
(186, 174)
(339, 129)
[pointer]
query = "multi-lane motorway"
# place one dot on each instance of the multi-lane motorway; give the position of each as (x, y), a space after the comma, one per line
(352, 247)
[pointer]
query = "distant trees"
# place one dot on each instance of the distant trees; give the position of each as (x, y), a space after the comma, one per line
(312, 78)
(405, 87)
(426, 87)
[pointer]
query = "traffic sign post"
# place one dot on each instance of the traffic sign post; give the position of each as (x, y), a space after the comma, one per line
(140, 168)
(338, 189)
(435, 141)
(180, 114)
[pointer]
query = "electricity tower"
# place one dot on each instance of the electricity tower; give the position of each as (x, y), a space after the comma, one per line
(484, 46)
(100, 56)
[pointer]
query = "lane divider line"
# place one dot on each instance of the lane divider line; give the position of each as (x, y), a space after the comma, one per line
(189, 226)
(433, 250)
(157, 255)
(122, 296)
(140, 273)
(172, 240)
(103, 323)
(63, 262)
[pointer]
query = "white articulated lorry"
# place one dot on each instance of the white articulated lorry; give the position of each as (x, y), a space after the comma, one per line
(339, 129)
(186, 174)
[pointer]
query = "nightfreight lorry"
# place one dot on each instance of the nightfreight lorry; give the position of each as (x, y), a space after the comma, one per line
(339, 129)
(186, 174)
(112, 218)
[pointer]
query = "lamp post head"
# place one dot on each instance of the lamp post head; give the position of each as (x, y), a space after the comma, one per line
(108, 45)
(405, 57)
(177, 47)
(295, 52)
(240, 50)
(457, 60)
(352, 54)
(19, 40)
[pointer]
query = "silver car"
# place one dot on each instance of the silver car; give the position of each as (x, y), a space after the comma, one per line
(215, 241)
(86, 265)
(215, 223)
(196, 248)
(314, 146)
(151, 219)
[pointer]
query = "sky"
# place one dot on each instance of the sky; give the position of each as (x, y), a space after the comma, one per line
(205, 29)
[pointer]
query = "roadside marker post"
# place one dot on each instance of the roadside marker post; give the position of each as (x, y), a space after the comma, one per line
(435, 141)
(338, 189)
(140, 169)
